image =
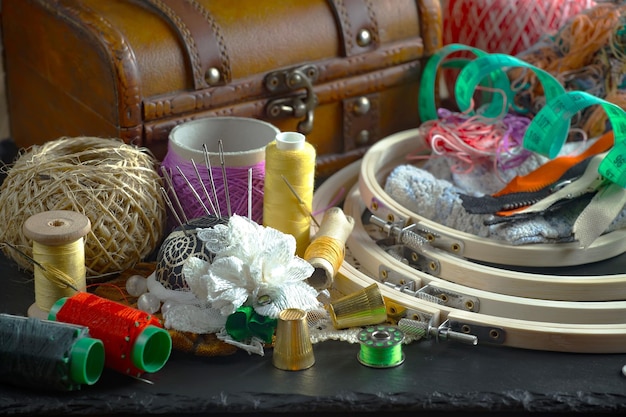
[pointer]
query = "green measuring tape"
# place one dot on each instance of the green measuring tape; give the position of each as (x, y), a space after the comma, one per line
(548, 131)
(475, 71)
(426, 97)
(550, 127)
(381, 346)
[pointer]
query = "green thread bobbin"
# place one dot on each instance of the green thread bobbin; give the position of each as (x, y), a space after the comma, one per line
(381, 346)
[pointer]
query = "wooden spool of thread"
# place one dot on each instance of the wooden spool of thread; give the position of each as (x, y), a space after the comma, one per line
(58, 245)
(328, 249)
(289, 162)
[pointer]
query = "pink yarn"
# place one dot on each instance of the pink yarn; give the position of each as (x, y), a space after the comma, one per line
(504, 26)
(237, 182)
(469, 140)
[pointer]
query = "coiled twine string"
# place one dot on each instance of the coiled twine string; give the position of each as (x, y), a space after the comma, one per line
(381, 346)
(289, 162)
(237, 183)
(134, 341)
(42, 354)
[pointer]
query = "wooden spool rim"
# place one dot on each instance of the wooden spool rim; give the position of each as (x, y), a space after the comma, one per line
(388, 153)
(520, 333)
(56, 227)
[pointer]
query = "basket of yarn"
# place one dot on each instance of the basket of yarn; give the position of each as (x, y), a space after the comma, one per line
(114, 184)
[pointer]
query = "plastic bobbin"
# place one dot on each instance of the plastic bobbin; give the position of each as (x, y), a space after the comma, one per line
(87, 360)
(43, 354)
(150, 350)
(381, 346)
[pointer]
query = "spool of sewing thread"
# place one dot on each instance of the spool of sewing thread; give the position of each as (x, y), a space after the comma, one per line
(328, 249)
(361, 308)
(134, 341)
(58, 245)
(381, 346)
(290, 162)
(43, 354)
(244, 141)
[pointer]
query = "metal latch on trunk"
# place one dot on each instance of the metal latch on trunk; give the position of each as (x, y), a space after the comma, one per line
(297, 105)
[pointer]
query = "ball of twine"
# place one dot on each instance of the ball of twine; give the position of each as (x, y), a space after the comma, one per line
(114, 184)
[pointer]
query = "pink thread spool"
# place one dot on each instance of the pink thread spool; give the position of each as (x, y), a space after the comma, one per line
(243, 144)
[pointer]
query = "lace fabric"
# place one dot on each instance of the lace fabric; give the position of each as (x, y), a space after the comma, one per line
(253, 264)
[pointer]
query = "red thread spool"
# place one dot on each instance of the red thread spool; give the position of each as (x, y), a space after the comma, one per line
(134, 341)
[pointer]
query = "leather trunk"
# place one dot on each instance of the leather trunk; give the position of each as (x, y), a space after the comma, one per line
(344, 72)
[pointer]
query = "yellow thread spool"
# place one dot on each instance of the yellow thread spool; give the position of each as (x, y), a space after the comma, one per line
(328, 249)
(58, 241)
(292, 158)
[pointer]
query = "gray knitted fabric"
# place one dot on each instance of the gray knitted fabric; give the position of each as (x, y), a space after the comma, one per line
(433, 193)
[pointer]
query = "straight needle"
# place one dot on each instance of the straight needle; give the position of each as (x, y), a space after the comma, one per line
(306, 211)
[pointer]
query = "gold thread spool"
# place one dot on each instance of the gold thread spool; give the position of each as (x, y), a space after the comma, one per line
(328, 249)
(58, 242)
(289, 157)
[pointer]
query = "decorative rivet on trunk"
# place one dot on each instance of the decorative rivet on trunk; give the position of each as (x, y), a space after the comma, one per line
(364, 38)
(361, 106)
(212, 76)
(363, 137)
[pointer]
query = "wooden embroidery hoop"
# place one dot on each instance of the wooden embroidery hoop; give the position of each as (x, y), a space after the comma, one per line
(577, 325)
(388, 153)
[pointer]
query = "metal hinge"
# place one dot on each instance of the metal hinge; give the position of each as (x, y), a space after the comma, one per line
(408, 246)
(429, 330)
(489, 334)
(297, 105)
(429, 292)
(416, 234)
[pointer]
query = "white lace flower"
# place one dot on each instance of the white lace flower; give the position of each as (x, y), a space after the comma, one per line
(255, 265)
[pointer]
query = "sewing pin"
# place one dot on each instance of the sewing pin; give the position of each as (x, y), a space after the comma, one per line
(170, 184)
(172, 209)
(206, 193)
(304, 208)
(249, 193)
(193, 190)
(226, 194)
(51, 273)
(207, 161)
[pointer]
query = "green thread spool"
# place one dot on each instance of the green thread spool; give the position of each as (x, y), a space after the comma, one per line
(381, 346)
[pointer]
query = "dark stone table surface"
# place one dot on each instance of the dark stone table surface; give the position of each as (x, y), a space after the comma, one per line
(444, 378)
